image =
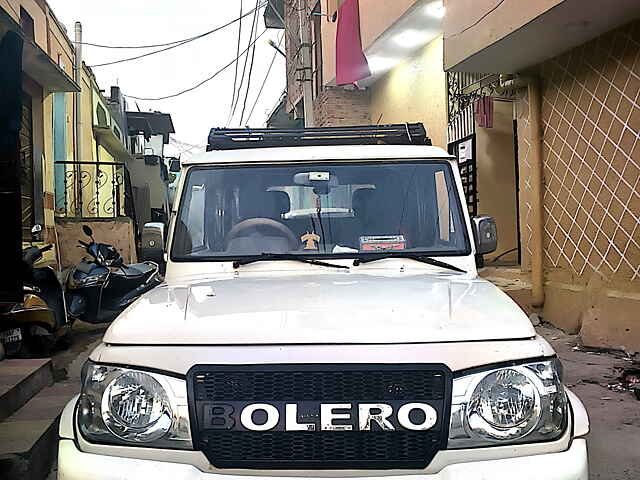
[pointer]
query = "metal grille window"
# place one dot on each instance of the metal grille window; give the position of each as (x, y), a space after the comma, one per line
(26, 166)
(92, 189)
(464, 151)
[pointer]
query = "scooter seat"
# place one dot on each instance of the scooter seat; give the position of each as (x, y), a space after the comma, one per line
(135, 270)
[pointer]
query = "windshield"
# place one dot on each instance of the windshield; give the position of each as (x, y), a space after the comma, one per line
(324, 210)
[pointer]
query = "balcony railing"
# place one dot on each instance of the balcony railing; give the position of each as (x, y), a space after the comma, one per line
(93, 190)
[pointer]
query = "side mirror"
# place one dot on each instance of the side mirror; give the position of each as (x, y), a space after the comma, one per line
(153, 239)
(485, 234)
(87, 231)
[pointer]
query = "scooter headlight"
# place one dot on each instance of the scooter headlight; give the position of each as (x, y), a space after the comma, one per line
(126, 406)
(89, 280)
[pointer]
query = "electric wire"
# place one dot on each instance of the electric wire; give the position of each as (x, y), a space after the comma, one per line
(244, 70)
(264, 82)
(246, 95)
(235, 76)
(199, 84)
(178, 44)
(489, 12)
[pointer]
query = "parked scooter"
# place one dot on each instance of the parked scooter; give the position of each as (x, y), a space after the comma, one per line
(100, 288)
(35, 325)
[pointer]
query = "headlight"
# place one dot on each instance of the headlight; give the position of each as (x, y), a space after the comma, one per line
(89, 280)
(132, 407)
(524, 403)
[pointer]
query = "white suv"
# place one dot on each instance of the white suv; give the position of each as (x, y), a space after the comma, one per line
(322, 316)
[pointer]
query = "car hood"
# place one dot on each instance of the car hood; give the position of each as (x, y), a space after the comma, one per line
(323, 308)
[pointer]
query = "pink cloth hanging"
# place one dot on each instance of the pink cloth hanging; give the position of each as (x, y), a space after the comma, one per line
(483, 110)
(351, 63)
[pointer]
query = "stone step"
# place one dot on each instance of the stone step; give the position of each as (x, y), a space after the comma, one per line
(20, 380)
(28, 438)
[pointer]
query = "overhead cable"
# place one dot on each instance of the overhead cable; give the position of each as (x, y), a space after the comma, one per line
(176, 44)
(246, 95)
(485, 15)
(264, 82)
(244, 70)
(235, 75)
(208, 79)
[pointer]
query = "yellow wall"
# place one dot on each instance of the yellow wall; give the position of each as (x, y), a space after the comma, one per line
(60, 48)
(50, 36)
(38, 14)
(48, 32)
(86, 119)
(415, 91)
(495, 161)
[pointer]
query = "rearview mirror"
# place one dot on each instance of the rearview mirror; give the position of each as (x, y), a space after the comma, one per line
(322, 182)
(87, 231)
(485, 234)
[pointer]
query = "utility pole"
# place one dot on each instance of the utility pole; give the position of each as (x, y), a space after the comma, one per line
(305, 56)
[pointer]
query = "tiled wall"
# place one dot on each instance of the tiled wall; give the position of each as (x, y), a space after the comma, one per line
(591, 154)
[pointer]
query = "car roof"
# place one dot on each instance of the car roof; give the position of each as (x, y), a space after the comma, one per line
(337, 152)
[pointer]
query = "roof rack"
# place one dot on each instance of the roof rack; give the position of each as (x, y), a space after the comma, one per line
(393, 134)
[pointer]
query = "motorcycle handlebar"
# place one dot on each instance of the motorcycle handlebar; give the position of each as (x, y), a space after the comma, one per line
(46, 248)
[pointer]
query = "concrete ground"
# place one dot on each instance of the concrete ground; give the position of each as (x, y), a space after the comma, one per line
(67, 363)
(614, 441)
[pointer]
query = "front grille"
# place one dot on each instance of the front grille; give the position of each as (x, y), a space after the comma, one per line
(307, 386)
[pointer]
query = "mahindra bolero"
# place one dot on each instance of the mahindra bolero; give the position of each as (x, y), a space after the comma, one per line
(322, 315)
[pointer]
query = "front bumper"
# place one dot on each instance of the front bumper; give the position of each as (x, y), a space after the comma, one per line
(568, 465)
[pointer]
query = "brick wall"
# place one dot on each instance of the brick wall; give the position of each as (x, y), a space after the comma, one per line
(293, 49)
(337, 106)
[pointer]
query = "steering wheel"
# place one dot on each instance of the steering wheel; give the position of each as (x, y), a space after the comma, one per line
(261, 224)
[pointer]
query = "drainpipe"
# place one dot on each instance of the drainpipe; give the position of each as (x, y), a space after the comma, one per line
(535, 153)
(77, 124)
(78, 79)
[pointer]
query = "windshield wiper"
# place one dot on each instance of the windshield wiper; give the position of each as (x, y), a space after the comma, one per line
(285, 256)
(419, 258)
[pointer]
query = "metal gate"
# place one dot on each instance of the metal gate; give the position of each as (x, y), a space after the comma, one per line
(465, 151)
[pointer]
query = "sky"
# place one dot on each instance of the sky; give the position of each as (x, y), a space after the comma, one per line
(136, 22)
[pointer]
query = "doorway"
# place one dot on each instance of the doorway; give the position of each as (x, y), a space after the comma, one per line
(497, 181)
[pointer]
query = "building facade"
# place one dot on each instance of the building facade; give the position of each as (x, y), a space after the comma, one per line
(76, 152)
(148, 133)
(46, 131)
(403, 44)
(572, 77)
(539, 102)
